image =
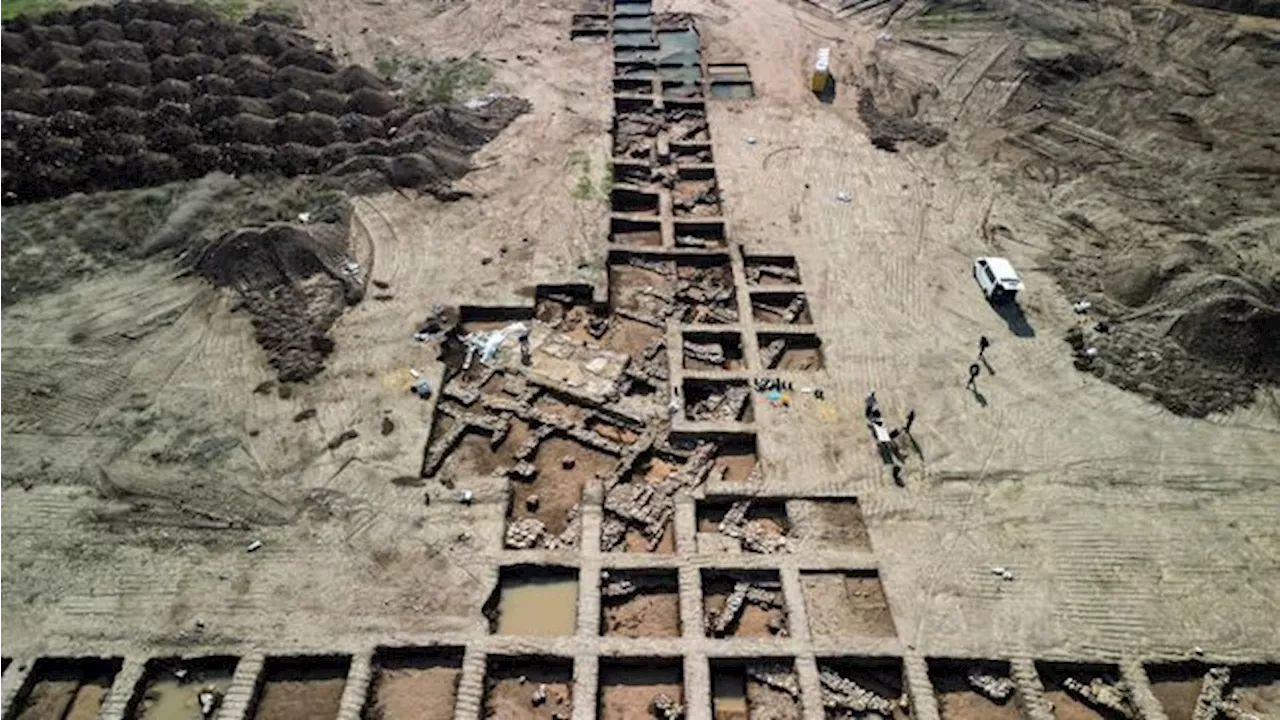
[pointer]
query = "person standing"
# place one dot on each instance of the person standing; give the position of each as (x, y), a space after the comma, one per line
(983, 344)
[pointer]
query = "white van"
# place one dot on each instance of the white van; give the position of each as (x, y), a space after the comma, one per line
(997, 278)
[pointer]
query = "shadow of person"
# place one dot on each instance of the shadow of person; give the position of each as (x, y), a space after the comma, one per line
(986, 365)
(977, 395)
(1011, 313)
(914, 445)
(828, 93)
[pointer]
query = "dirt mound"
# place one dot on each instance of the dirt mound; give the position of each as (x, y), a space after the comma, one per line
(294, 281)
(114, 62)
(1161, 194)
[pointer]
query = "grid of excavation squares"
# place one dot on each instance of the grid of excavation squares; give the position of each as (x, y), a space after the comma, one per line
(751, 591)
(437, 682)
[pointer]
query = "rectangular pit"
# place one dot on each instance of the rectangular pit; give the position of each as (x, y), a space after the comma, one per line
(639, 515)
(686, 88)
(594, 25)
(528, 688)
(635, 135)
(1256, 689)
(700, 233)
(713, 351)
(1070, 705)
(59, 688)
(847, 603)
(479, 318)
(633, 7)
(697, 194)
(300, 688)
(720, 401)
(641, 39)
(829, 525)
(692, 153)
(765, 270)
(791, 351)
(738, 525)
(181, 687)
(1177, 687)
(534, 600)
(761, 688)
(414, 684)
(882, 677)
(643, 233)
(633, 173)
(639, 64)
(732, 90)
(634, 689)
(630, 104)
(686, 120)
(729, 71)
(632, 201)
(548, 506)
(743, 603)
(632, 86)
(639, 603)
(705, 290)
(633, 23)
(781, 308)
(974, 690)
(737, 458)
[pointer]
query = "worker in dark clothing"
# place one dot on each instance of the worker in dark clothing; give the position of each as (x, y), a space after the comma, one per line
(983, 344)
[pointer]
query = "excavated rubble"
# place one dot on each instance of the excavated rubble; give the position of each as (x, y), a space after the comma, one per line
(1103, 695)
(841, 693)
(137, 94)
(994, 687)
(294, 281)
(744, 593)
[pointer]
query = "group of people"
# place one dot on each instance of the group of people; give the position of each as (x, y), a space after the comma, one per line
(887, 438)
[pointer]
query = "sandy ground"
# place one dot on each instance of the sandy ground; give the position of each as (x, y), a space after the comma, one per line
(131, 493)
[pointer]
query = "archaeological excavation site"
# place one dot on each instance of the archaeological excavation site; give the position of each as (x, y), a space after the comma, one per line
(638, 360)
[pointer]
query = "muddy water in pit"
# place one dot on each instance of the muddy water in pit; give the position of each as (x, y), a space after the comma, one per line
(538, 606)
(729, 695)
(174, 700)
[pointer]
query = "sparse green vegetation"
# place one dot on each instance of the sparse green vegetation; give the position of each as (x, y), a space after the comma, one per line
(443, 82)
(231, 10)
(584, 187)
(11, 9)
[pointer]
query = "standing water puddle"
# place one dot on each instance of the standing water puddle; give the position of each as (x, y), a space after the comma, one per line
(633, 8)
(536, 601)
(732, 90)
(174, 688)
(642, 23)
